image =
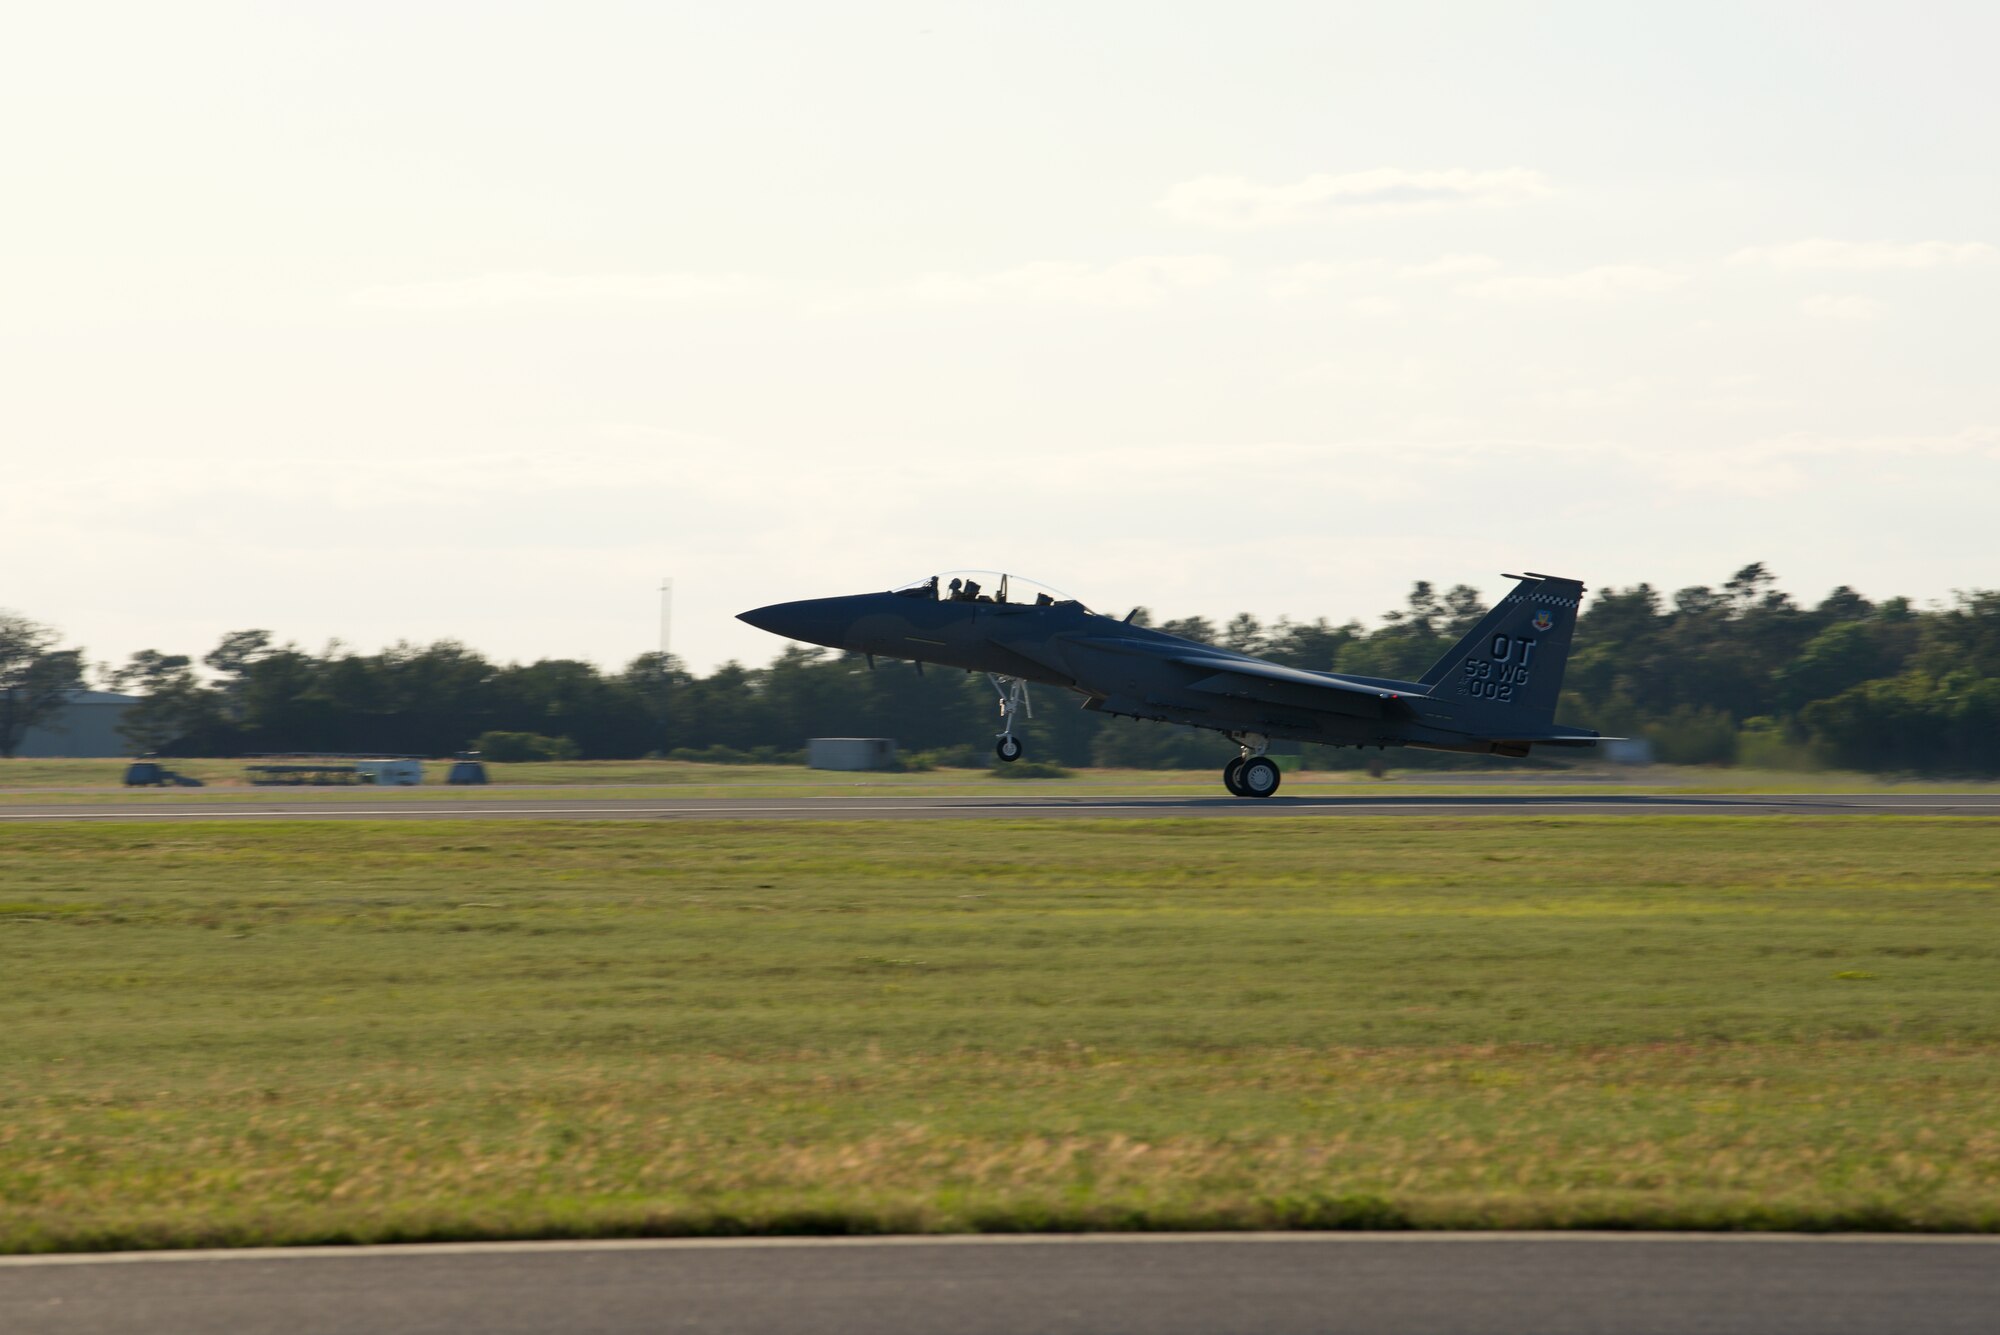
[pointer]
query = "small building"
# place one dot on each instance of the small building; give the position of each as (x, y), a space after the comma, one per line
(85, 726)
(401, 771)
(851, 753)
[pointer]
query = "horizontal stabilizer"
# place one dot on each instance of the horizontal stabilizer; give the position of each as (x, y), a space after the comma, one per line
(1559, 739)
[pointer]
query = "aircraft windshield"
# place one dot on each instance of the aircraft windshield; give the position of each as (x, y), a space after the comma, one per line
(985, 586)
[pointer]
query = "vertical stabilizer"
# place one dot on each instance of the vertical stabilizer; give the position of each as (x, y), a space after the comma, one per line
(1513, 660)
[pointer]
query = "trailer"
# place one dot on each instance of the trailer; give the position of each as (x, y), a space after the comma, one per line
(337, 771)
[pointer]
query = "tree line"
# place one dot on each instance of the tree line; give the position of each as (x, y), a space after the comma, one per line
(1739, 672)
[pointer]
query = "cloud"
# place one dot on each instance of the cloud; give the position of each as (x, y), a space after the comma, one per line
(1142, 281)
(1409, 375)
(1776, 465)
(1451, 266)
(494, 291)
(1592, 398)
(1821, 253)
(1850, 309)
(1374, 307)
(1601, 283)
(1296, 280)
(1238, 202)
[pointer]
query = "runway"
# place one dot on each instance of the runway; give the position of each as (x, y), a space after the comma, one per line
(1258, 1284)
(916, 806)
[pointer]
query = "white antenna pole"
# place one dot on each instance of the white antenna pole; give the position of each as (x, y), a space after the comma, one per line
(666, 615)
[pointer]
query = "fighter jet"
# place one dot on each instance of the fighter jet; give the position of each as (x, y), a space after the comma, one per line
(1494, 693)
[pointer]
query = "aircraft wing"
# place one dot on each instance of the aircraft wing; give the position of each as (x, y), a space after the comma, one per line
(1222, 674)
(1274, 683)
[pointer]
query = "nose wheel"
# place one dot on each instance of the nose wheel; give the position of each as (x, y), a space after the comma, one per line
(1013, 701)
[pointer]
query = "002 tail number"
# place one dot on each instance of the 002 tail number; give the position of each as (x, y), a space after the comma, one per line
(1505, 667)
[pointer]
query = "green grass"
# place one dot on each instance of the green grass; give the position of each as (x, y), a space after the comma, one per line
(225, 1034)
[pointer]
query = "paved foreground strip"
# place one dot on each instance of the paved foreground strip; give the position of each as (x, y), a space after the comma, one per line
(1162, 1284)
(172, 807)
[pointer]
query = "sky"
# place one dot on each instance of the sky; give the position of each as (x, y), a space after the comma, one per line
(414, 321)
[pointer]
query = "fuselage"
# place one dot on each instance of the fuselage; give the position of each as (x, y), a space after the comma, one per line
(1118, 667)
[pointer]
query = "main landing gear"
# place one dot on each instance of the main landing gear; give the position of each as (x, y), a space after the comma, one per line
(1013, 700)
(1252, 774)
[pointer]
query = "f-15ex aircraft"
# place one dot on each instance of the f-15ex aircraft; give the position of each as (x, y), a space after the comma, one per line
(1494, 693)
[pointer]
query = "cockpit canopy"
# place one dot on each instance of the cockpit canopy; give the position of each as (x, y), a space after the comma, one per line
(986, 586)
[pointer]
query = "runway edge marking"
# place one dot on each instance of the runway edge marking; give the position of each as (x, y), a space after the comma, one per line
(1329, 1237)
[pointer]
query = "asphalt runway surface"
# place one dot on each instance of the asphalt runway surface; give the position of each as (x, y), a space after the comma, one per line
(918, 806)
(1247, 1284)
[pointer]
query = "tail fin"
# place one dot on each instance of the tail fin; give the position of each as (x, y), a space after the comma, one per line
(1513, 659)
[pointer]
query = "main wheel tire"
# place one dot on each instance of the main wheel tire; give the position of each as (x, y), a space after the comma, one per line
(1259, 776)
(1008, 749)
(1232, 778)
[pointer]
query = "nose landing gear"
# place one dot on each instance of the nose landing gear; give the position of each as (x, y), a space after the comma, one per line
(1013, 700)
(1251, 774)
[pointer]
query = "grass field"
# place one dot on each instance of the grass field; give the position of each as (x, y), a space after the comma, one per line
(288, 1033)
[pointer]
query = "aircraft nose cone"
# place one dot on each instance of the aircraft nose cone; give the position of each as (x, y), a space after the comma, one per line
(814, 620)
(769, 618)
